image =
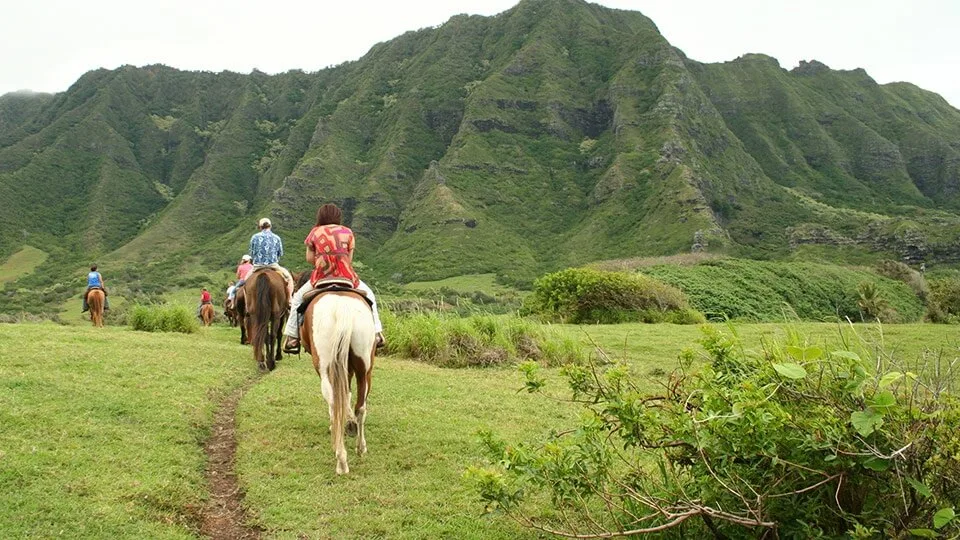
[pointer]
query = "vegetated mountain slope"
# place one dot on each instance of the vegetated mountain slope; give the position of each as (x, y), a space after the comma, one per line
(555, 133)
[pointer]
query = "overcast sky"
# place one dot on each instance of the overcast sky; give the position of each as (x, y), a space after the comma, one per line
(47, 44)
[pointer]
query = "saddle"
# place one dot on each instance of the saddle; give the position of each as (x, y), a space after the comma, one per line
(325, 286)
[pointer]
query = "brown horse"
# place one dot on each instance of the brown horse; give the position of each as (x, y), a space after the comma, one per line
(266, 304)
(240, 313)
(95, 300)
(338, 331)
(228, 312)
(206, 314)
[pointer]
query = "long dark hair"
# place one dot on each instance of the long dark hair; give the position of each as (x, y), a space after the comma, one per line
(329, 214)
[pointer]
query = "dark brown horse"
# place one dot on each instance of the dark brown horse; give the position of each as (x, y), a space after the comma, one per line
(240, 313)
(229, 313)
(266, 303)
(95, 303)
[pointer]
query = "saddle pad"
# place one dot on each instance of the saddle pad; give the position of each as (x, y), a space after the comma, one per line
(312, 294)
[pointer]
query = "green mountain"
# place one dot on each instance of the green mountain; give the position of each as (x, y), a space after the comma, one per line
(556, 133)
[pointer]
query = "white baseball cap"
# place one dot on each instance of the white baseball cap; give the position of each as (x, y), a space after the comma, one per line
(246, 258)
(265, 221)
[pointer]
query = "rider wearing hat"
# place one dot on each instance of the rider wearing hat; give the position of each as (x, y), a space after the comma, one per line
(266, 248)
(244, 269)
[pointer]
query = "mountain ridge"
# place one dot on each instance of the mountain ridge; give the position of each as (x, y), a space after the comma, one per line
(555, 133)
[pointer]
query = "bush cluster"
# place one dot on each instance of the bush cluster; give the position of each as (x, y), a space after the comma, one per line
(584, 295)
(943, 302)
(477, 340)
(770, 291)
(163, 318)
(898, 271)
(794, 441)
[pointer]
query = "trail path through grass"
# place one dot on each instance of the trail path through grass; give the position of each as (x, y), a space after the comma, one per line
(224, 516)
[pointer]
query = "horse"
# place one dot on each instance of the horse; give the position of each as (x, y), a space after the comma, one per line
(206, 314)
(239, 313)
(229, 313)
(338, 332)
(266, 306)
(95, 300)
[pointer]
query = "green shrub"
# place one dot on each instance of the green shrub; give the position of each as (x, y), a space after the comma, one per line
(478, 340)
(794, 441)
(774, 291)
(584, 295)
(163, 318)
(943, 302)
(901, 272)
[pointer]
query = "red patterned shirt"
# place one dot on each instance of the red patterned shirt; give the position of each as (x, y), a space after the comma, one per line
(333, 247)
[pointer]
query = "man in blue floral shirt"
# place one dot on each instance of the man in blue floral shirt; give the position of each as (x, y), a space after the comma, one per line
(266, 249)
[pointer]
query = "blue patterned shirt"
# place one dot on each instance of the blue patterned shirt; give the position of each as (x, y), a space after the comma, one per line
(265, 248)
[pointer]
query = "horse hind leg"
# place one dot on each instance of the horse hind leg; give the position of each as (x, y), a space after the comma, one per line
(271, 360)
(359, 412)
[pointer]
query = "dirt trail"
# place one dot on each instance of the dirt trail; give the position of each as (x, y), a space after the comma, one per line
(223, 517)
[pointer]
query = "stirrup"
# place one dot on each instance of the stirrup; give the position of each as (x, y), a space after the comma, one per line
(291, 349)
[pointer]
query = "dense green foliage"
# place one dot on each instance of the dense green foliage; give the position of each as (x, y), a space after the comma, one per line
(583, 295)
(476, 340)
(771, 291)
(554, 134)
(163, 318)
(793, 440)
(943, 302)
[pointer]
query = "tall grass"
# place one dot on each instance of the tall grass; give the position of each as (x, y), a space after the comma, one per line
(478, 340)
(767, 290)
(163, 318)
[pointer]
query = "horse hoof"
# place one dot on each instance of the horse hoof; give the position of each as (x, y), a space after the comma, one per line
(351, 428)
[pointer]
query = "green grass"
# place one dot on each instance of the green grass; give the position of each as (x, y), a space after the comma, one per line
(421, 436)
(101, 429)
(485, 283)
(21, 263)
(771, 290)
(651, 348)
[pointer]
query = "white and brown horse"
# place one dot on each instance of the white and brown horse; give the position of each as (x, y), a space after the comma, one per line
(338, 332)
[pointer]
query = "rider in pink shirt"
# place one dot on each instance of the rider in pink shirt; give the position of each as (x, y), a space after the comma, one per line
(243, 272)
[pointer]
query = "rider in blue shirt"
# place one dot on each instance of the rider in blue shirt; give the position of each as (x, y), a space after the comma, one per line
(266, 249)
(95, 281)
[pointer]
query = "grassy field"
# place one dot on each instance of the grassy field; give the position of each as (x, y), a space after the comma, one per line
(422, 425)
(651, 347)
(21, 263)
(485, 283)
(101, 431)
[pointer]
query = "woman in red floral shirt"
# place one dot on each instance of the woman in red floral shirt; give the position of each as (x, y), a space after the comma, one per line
(330, 251)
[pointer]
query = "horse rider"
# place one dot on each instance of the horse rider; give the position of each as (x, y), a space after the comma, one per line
(204, 299)
(266, 248)
(244, 269)
(95, 281)
(330, 250)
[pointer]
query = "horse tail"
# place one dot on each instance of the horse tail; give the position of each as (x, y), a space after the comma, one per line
(95, 301)
(339, 376)
(262, 328)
